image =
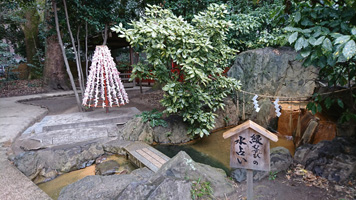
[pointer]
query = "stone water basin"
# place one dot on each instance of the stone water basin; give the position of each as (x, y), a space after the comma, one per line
(54, 187)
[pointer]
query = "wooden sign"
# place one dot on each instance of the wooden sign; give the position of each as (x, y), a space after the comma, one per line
(250, 146)
(250, 149)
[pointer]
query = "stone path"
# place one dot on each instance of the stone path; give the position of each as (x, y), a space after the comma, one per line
(16, 118)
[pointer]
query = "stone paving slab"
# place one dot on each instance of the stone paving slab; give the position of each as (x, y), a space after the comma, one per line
(15, 118)
(16, 186)
(97, 117)
(93, 118)
(48, 139)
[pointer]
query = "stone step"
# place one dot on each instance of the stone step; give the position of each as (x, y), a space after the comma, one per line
(60, 137)
(85, 119)
(38, 126)
(117, 121)
(67, 136)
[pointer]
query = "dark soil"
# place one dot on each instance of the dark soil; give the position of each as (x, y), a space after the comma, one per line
(21, 87)
(284, 189)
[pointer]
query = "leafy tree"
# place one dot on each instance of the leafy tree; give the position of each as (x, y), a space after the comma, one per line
(25, 16)
(10, 30)
(256, 25)
(8, 60)
(199, 48)
(324, 34)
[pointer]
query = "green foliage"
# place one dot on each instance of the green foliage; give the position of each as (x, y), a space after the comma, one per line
(325, 35)
(201, 190)
(7, 58)
(154, 117)
(199, 48)
(10, 28)
(320, 101)
(257, 25)
(272, 176)
(37, 67)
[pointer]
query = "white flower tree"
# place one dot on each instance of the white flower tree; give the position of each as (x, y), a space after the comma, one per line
(104, 87)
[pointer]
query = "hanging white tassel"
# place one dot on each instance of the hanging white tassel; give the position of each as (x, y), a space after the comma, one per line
(255, 102)
(276, 106)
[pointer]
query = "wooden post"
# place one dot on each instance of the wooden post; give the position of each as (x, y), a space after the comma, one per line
(131, 63)
(140, 85)
(249, 184)
(106, 95)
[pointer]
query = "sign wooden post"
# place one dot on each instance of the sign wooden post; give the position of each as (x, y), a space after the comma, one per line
(250, 149)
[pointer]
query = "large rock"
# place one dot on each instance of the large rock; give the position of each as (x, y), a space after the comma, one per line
(266, 117)
(45, 164)
(162, 188)
(183, 167)
(173, 181)
(280, 159)
(271, 71)
(97, 187)
(107, 168)
(334, 160)
(228, 116)
(137, 130)
(102, 187)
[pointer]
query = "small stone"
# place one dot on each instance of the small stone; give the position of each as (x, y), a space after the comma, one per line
(101, 159)
(107, 168)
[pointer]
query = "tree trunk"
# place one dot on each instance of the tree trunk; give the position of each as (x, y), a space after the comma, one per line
(86, 50)
(105, 35)
(54, 74)
(30, 29)
(77, 54)
(65, 57)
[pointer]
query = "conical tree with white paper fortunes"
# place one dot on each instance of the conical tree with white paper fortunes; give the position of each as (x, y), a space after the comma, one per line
(104, 87)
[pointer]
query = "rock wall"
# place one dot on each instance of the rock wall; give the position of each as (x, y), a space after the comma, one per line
(45, 164)
(137, 130)
(228, 116)
(334, 160)
(272, 71)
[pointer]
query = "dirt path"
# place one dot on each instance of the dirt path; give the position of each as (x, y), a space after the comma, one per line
(148, 100)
